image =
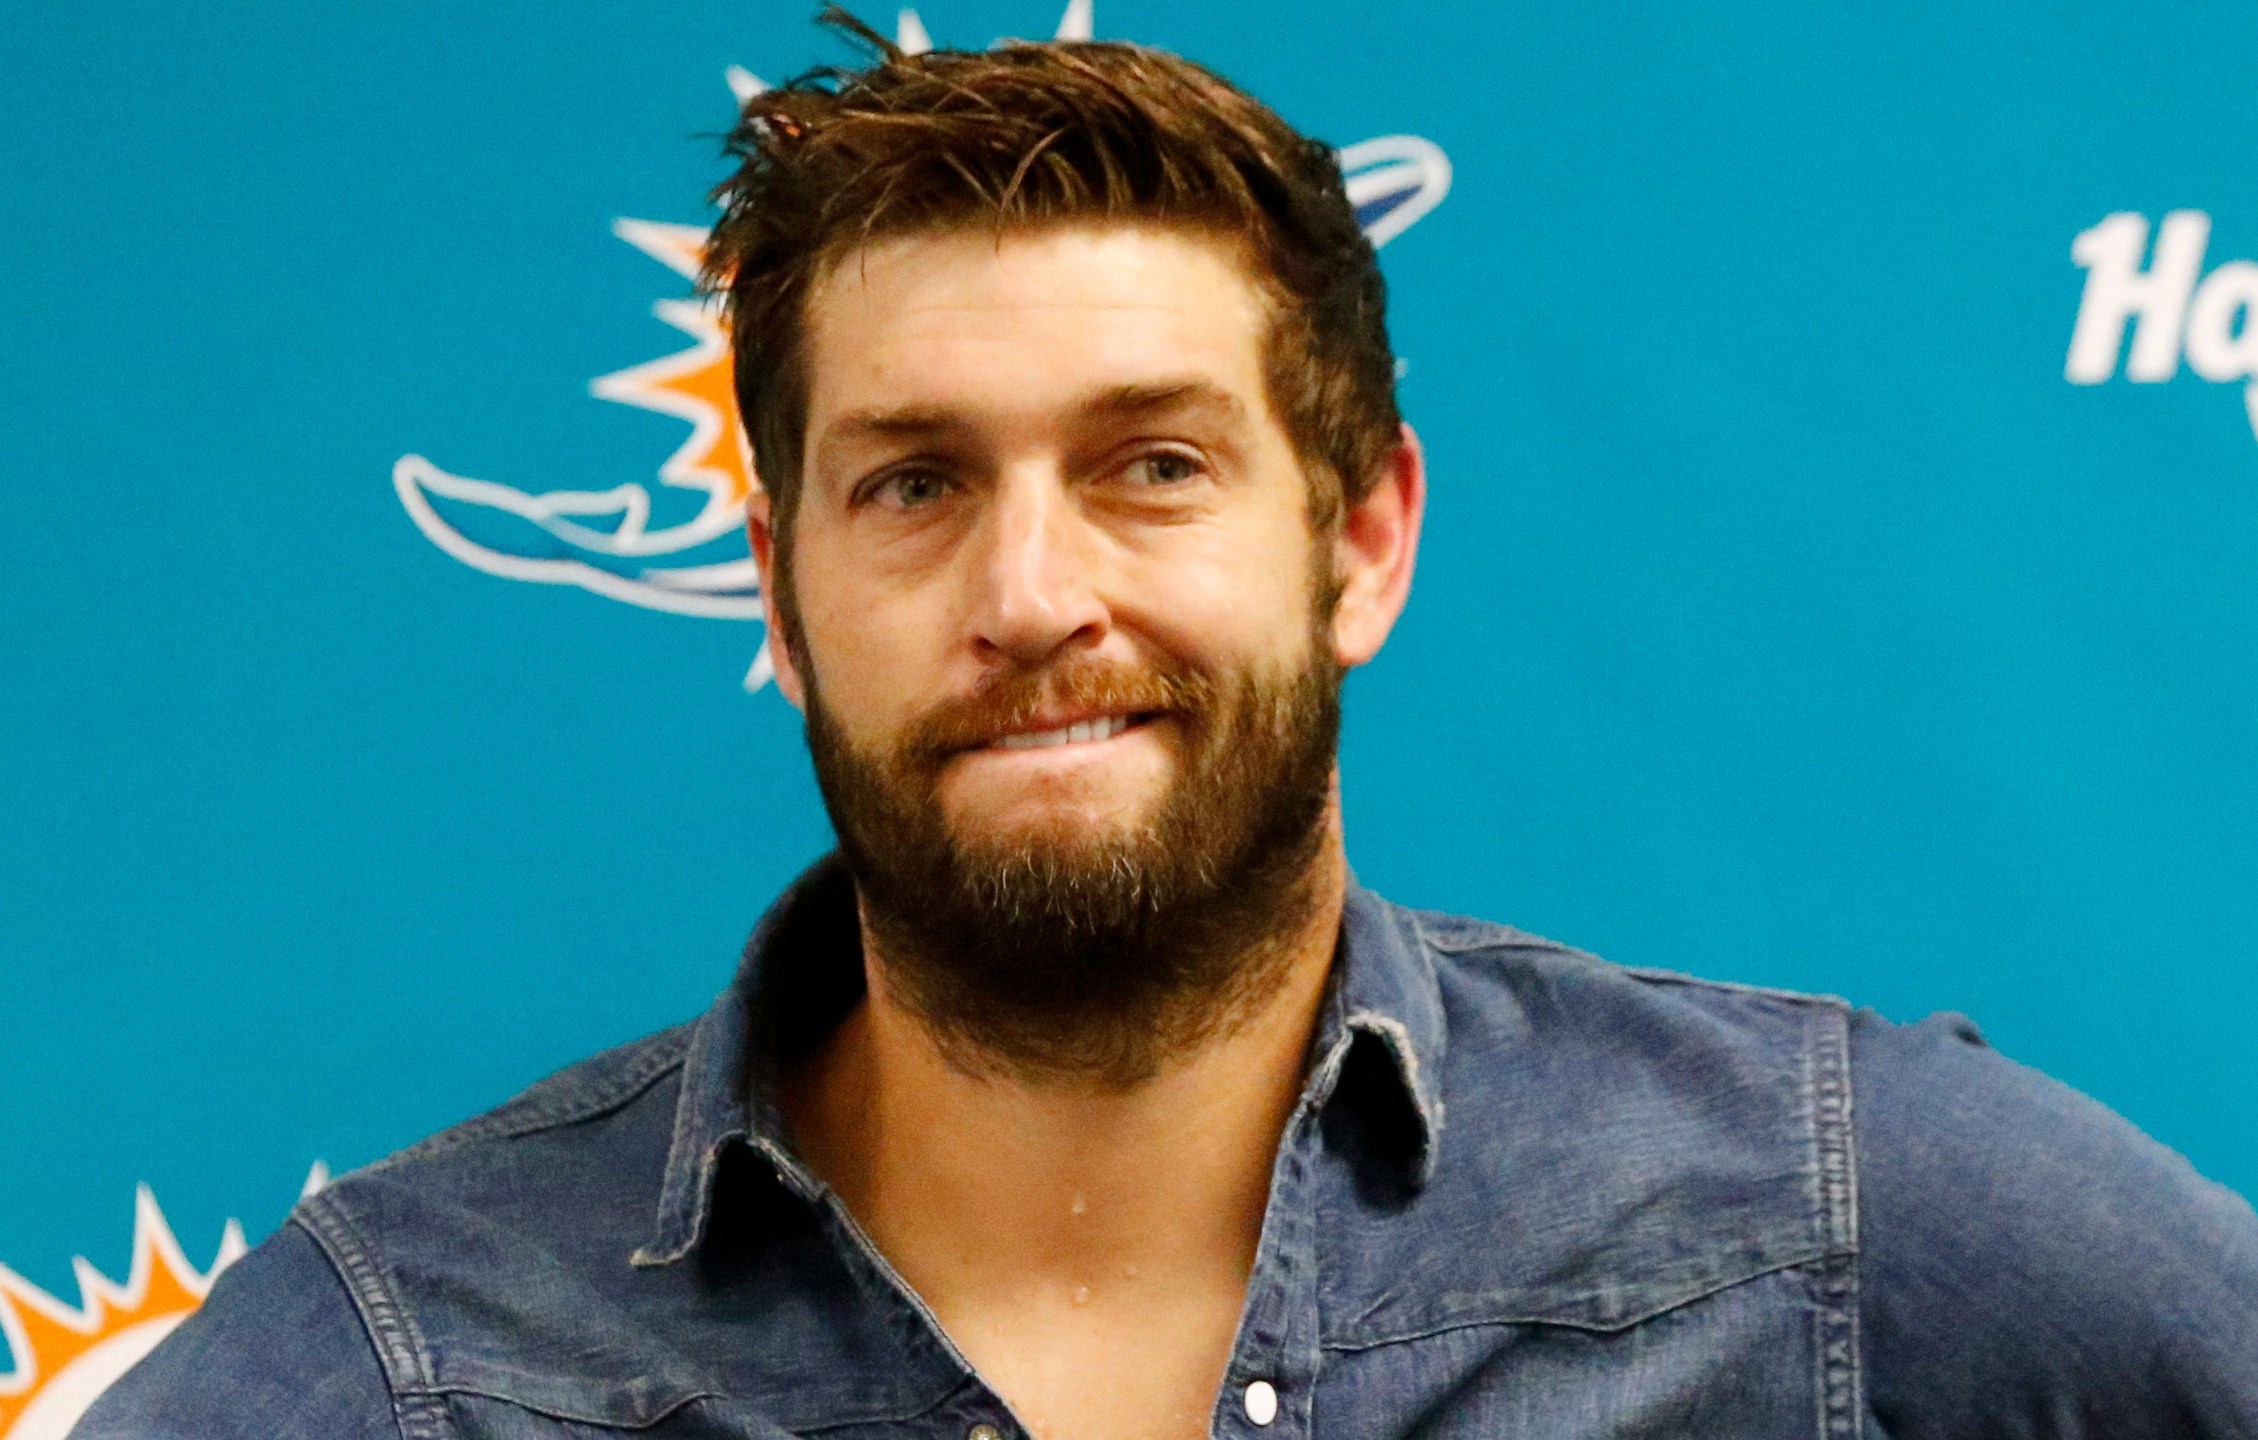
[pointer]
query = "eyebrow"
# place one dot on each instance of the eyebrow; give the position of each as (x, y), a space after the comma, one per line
(904, 422)
(1161, 396)
(1132, 401)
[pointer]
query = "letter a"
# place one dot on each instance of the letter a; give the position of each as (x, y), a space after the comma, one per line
(2117, 290)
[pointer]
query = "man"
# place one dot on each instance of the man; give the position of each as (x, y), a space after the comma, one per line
(1084, 1094)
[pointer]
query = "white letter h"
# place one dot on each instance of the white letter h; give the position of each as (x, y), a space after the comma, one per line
(2117, 290)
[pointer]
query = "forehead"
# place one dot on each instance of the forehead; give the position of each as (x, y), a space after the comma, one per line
(1025, 321)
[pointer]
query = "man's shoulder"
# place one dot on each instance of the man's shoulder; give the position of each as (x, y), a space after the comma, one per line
(1951, 1131)
(2018, 1245)
(602, 1086)
(278, 1352)
(1570, 1034)
(1564, 989)
(397, 1282)
(1663, 1138)
(575, 1159)
(2021, 1243)
(1934, 1107)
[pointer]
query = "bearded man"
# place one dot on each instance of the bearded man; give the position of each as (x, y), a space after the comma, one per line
(1083, 1094)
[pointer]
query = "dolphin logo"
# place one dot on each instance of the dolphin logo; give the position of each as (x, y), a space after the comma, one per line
(684, 550)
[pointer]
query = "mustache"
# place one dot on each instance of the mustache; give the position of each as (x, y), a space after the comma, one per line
(1008, 700)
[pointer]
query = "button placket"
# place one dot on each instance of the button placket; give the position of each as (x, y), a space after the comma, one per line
(918, 1318)
(1266, 1390)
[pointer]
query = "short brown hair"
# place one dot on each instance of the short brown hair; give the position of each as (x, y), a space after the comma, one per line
(1028, 135)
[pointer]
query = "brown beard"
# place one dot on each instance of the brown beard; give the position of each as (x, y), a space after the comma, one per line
(1093, 956)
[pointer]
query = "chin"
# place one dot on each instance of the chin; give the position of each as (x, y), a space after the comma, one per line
(1063, 828)
(1057, 809)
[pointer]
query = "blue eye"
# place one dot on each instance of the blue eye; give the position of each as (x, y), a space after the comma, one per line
(1163, 467)
(913, 488)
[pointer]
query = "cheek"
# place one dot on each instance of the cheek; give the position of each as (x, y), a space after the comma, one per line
(1227, 597)
(869, 647)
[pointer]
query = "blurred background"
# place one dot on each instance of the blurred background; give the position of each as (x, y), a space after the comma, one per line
(1787, 613)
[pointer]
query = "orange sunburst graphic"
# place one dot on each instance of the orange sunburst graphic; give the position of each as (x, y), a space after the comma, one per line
(696, 384)
(67, 1355)
(626, 542)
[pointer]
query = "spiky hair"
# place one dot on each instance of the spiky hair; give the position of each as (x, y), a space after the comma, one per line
(1030, 135)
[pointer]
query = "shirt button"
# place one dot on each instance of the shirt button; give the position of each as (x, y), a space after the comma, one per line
(1262, 1402)
(983, 1431)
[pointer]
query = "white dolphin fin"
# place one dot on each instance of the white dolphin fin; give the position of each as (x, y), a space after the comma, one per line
(743, 83)
(1411, 174)
(909, 33)
(764, 667)
(1080, 22)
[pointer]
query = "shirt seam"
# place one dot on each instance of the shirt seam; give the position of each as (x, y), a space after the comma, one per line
(979, 1390)
(1835, 1281)
(1439, 929)
(513, 1121)
(1508, 939)
(570, 1415)
(1553, 1322)
(391, 1330)
(1734, 987)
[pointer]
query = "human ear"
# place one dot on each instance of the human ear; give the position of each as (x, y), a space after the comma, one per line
(760, 530)
(1374, 551)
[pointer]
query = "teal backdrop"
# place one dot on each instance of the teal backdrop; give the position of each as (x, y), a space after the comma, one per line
(1789, 612)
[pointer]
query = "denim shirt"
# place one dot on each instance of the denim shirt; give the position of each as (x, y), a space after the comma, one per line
(1525, 1193)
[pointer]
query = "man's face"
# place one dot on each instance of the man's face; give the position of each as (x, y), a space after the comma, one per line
(1059, 617)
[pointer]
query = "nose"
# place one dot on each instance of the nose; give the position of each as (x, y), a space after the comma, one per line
(1034, 567)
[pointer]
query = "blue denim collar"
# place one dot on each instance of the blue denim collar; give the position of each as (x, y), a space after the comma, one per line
(1383, 992)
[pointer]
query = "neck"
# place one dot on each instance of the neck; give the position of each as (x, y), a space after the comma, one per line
(986, 1185)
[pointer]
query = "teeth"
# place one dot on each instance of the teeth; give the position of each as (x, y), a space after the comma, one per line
(1105, 729)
